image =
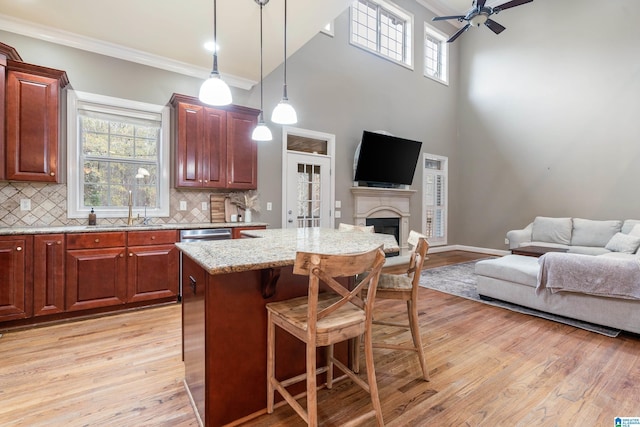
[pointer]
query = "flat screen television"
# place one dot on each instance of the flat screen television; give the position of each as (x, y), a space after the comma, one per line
(383, 160)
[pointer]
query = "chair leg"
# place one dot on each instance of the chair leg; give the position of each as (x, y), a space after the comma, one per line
(271, 361)
(312, 393)
(412, 311)
(371, 377)
(355, 359)
(330, 366)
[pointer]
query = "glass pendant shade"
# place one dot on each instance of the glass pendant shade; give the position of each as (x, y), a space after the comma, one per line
(261, 131)
(284, 113)
(214, 91)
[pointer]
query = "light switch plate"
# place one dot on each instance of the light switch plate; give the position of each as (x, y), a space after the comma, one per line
(338, 204)
(204, 206)
(269, 206)
(183, 205)
(338, 214)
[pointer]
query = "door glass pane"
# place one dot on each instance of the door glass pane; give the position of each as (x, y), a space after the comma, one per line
(308, 190)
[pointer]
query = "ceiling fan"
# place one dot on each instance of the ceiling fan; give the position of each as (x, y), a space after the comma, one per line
(479, 14)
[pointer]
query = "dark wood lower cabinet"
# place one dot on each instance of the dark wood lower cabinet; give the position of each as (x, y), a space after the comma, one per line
(48, 274)
(95, 278)
(16, 299)
(152, 272)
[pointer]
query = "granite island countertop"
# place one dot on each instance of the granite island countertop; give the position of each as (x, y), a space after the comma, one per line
(13, 231)
(278, 247)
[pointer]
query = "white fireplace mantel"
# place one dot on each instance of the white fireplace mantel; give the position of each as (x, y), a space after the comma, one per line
(374, 202)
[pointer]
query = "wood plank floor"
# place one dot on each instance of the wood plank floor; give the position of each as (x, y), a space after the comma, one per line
(489, 366)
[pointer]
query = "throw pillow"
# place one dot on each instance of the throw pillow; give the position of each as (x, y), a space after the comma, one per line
(635, 231)
(588, 232)
(551, 230)
(625, 243)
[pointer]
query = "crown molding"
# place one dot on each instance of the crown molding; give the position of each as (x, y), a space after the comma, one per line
(89, 44)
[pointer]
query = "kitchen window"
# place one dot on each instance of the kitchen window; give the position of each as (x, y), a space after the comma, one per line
(384, 29)
(118, 153)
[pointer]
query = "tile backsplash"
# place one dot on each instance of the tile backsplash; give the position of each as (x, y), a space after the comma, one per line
(49, 206)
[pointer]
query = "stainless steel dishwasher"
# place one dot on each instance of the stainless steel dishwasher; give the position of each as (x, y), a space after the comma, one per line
(200, 235)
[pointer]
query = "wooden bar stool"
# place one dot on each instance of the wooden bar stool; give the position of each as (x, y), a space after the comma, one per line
(322, 319)
(404, 287)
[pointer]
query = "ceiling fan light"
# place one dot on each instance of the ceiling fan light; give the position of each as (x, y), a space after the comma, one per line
(214, 91)
(478, 20)
(284, 113)
(261, 132)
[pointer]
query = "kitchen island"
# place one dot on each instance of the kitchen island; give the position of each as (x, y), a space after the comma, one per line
(226, 285)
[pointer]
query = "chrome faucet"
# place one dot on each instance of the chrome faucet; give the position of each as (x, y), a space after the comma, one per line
(130, 218)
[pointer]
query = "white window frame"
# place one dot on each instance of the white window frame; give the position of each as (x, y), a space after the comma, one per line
(75, 99)
(444, 206)
(408, 41)
(443, 57)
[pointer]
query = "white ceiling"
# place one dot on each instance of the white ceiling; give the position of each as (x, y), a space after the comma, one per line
(170, 34)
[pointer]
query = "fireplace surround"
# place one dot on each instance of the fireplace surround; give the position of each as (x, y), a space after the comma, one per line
(374, 202)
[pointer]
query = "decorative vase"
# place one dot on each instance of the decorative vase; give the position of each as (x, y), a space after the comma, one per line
(247, 215)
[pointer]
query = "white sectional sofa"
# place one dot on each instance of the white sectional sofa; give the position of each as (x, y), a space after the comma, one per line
(613, 246)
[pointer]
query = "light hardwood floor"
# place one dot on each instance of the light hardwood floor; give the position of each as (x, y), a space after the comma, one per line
(489, 366)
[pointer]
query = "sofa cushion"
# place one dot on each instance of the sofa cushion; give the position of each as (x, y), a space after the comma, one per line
(623, 243)
(512, 268)
(635, 231)
(552, 230)
(629, 224)
(587, 232)
(588, 250)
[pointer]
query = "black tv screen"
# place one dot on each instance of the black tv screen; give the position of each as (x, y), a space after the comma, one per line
(385, 160)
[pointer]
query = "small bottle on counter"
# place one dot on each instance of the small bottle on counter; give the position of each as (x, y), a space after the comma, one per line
(92, 217)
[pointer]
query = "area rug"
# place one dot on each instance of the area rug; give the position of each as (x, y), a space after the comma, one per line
(460, 280)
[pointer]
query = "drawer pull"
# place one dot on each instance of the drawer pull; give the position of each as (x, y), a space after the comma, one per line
(19, 248)
(192, 283)
(153, 237)
(130, 253)
(97, 240)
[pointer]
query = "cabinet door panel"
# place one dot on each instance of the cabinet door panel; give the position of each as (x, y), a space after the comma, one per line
(215, 147)
(242, 151)
(189, 145)
(48, 274)
(15, 282)
(31, 127)
(95, 278)
(152, 272)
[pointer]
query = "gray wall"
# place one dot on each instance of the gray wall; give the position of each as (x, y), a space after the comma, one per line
(548, 118)
(340, 89)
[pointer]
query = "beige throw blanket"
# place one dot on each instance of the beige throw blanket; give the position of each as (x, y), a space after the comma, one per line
(587, 274)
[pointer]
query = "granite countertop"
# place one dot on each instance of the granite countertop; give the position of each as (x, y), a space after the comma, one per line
(278, 247)
(122, 227)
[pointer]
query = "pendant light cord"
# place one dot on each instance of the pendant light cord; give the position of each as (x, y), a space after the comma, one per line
(285, 49)
(215, 39)
(261, 82)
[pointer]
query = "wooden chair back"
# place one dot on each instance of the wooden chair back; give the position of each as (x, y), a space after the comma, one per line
(325, 269)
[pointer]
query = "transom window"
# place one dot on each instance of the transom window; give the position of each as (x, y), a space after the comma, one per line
(118, 154)
(436, 55)
(382, 28)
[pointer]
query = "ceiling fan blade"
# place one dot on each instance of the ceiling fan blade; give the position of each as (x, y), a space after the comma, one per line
(480, 4)
(443, 18)
(458, 33)
(510, 4)
(494, 26)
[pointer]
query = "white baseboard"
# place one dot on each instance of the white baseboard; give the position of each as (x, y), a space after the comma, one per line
(488, 251)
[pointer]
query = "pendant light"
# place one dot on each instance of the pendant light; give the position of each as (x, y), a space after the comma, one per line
(261, 132)
(214, 91)
(284, 112)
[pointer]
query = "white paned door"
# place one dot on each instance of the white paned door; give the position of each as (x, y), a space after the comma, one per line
(308, 191)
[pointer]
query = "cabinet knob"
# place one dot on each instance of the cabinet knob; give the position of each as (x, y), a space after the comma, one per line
(130, 253)
(52, 174)
(206, 180)
(121, 255)
(58, 242)
(199, 180)
(19, 248)
(153, 237)
(97, 240)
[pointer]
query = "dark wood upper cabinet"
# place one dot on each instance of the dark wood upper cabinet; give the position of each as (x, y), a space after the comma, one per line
(30, 97)
(214, 148)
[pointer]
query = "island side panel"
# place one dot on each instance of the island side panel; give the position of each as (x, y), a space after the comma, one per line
(233, 354)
